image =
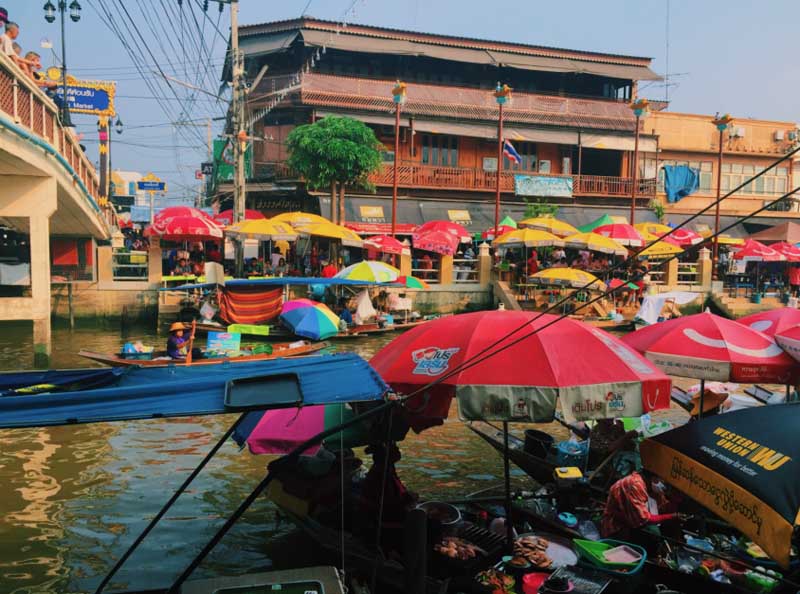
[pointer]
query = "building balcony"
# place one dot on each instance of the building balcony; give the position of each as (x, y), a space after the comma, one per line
(477, 180)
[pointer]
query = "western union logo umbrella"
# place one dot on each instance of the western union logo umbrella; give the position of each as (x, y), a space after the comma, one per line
(742, 466)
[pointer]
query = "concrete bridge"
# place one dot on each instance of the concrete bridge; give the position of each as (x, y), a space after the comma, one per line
(48, 188)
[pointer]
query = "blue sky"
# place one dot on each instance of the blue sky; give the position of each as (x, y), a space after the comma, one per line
(732, 56)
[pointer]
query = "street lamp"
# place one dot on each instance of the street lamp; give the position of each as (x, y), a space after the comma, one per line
(118, 126)
(639, 108)
(722, 123)
(399, 97)
(50, 16)
(502, 94)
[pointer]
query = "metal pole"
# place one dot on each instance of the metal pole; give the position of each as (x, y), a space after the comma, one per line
(239, 191)
(715, 247)
(152, 207)
(65, 119)
(499, 169)
(634, 179)
(507, 480)
(396, 160)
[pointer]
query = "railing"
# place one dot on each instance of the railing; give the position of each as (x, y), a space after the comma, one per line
(687, 273)
(29, 107)
(465, 271)
(129, 265)
(465, 178)
(429, 275)
(656, 276)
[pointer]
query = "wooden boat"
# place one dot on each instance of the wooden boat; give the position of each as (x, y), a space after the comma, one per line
(372, 329)
(160, 359)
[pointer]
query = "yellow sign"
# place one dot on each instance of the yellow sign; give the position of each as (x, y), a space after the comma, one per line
(459, 216)
(371, 212)
(90, 96)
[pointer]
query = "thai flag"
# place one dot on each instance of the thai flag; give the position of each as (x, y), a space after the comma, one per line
(511, 153)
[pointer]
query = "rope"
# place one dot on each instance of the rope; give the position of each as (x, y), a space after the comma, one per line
(385, 478)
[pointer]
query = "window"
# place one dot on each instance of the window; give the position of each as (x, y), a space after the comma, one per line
(527, 153)
(438, 149)
(774, 182)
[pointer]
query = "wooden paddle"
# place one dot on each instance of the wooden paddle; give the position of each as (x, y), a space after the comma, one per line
(191, 343)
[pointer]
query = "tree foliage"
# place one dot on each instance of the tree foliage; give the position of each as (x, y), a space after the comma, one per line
(334, 149)
(539, 208)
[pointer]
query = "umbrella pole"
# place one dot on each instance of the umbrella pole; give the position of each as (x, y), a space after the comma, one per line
(702, 397)
(507, 478)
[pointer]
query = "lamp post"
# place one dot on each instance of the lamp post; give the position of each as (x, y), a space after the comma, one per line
(50, 17)
(639, 108)
(722, 123)
(399, 97)
(502, 94)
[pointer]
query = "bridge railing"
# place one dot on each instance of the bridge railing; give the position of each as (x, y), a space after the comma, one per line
(27, 106)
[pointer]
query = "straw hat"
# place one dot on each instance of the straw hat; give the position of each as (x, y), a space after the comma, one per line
(176, 326)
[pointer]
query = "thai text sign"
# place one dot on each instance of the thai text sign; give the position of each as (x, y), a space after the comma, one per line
(92, 97)
(543, 185)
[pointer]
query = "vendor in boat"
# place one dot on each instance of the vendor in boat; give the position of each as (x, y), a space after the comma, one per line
(629, 502)
(345, 316)
(177, 343)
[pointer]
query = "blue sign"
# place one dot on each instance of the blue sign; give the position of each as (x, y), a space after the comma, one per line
(224, 342)
(543, 185)
(151, 186)
(93, 99)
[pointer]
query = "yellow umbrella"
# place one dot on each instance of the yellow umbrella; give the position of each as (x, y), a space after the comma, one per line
(594, 242)
(722, 239)
(261, 229)
(549, 224)
(331, 231)
(527, 238)
(569, 277)
(662, 249)
(299, 218)
(656, 229)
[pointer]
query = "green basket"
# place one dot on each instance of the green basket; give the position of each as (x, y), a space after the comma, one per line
(592, 551)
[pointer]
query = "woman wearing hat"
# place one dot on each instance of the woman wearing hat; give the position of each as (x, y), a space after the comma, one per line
(177, 343)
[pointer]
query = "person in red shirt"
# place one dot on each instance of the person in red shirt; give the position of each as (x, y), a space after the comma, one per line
(213, 254)
(794, 279)
(627, 505)
(329, 270)
(533, 263)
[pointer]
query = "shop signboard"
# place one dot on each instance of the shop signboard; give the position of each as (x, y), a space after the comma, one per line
(543, 185)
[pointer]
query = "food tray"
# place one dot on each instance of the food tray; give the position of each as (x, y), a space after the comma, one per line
(623, 555)
(592, 552)
(560, 550)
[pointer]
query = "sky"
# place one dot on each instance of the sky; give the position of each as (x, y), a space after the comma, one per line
(734, 56)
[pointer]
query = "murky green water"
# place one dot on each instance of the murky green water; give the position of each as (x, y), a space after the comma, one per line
(73, 498)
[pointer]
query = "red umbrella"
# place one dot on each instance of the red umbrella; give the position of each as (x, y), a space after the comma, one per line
(789, 339)
(491, 234)
(709, 347)
(773, 321)
(183, 228)
(621, 233)
(225, 217)
(445, 226)
(791, 251)
(179, 211)
(683, 237)
(594, 374)
(440, 242)
(755, 251)
(386, 244)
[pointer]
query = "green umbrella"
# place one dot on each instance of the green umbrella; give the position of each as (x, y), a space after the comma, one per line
(508, 222)
(604, 220)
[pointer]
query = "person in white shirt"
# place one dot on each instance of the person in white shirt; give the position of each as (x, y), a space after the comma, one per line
(7, 39)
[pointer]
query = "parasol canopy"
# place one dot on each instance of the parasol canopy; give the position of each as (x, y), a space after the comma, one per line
(662, 249)
(722, 238)
(185, 228)
(549, 224)
(412, 282)
(592, 373)
(310, 319)
(491, 233)
(262, 229)
(657, 229)
(709, 347)
(683, 237)
(622, 233)
(742, 466)
(439, 242)
(171, 212)
(791, 251)
(387, 245)
(529, 238)
(371, 271)
(598, 222)
(568, 277)
(299, 218)
(789, 340)
(450, 227)
(595, 243)
(755, 251)
(773, 321)
(225, 217)
(330, 231)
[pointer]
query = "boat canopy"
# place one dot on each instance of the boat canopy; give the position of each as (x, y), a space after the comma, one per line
(146, 393)
(277, 281)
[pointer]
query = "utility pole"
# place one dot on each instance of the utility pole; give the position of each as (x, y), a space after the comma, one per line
(239, 134)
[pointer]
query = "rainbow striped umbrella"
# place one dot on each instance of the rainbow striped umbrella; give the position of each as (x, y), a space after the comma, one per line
(310, 319)
(372, 271)
(412, 282)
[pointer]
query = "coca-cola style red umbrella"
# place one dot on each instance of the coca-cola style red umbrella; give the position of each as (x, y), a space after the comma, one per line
(179, 211)
(683, 237)
(755, 251)
(591, 372)
(386, 244)
(446, 226)
(440, 242)
(621, 233)
(791, 251)
(773, 321)
(184, 228)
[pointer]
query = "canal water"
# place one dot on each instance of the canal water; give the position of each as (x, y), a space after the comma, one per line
(73, 498)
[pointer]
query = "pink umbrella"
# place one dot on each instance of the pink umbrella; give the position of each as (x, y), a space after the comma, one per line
(386, 244)
(439, 242)
(454, 229)
(225, 217)
(755, 251)
(773, 321)
(179, 211)
(185, 228)
(791, 251)
(621, 233)
(683, 237)
(492, 234)
(789, 339)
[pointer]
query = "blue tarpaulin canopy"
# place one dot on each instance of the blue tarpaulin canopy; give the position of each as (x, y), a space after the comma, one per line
(278, 281)
(145, 393)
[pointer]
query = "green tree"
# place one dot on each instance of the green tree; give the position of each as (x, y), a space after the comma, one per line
(539, 208)
(334, 150)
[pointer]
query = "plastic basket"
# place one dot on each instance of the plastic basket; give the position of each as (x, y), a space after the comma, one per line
(591, 553)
